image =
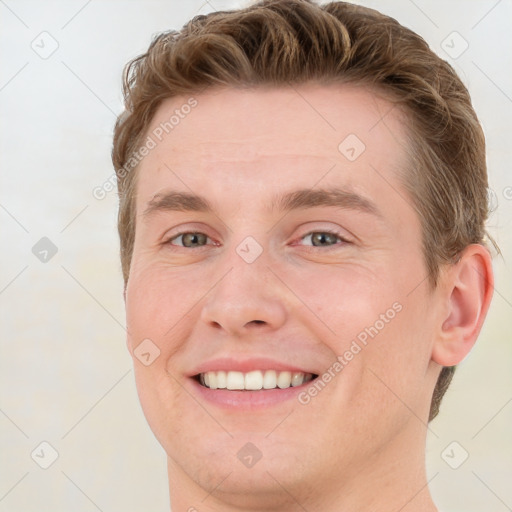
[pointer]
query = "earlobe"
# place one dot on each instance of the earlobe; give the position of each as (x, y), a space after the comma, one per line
(469, 287)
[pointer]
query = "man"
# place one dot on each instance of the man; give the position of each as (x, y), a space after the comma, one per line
(302, 208)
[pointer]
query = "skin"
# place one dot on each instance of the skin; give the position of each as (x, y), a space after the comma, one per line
(359, 444)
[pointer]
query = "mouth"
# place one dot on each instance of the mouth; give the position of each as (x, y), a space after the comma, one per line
(248, 385)
(255, 380)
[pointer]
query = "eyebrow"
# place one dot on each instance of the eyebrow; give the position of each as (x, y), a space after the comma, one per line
(294, 200)
(336, 197)
(177, 201)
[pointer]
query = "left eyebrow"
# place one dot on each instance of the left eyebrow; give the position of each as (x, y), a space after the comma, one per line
(308, 198)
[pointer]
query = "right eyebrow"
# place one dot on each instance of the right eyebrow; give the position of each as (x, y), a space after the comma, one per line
(177, 201)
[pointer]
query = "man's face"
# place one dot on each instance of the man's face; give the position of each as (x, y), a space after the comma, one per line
(335, 288)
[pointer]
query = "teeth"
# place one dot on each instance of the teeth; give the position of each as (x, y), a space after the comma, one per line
(234, 380)
(221, 380)
(297, 378)
(254, 380)
(212, 380)
(284, 380)
(270, 379)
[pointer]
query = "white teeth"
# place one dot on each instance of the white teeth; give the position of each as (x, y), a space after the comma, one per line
(270, 379)
(254, 380)
(221, 380)
(235, 380)
(212, 380)
(284, 380)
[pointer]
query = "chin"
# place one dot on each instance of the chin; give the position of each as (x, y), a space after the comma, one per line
(243, 467)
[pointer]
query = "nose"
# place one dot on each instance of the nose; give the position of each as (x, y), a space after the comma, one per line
(248, 298)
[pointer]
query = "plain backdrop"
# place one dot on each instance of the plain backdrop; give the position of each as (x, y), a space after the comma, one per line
(65, 374)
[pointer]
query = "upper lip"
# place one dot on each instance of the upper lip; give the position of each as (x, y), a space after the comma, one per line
(247, 365)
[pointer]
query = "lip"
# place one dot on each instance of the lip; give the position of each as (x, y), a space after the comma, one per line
(247, 365)
(246, 400)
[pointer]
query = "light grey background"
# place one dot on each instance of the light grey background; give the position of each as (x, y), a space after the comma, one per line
(65, 373)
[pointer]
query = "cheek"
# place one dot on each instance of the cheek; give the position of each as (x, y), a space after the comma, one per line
(380, 330)
(157, 305)
(345, 302)
(396, 360)
(158, 302)
(159, 397)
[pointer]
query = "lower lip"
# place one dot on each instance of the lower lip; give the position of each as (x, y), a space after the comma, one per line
(248, 400)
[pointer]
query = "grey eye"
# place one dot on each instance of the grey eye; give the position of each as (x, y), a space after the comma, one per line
(321, 238)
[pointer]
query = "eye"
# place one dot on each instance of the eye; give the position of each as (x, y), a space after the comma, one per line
(189, 239)
(324, 238)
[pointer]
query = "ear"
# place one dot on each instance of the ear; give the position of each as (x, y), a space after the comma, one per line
(468, 287)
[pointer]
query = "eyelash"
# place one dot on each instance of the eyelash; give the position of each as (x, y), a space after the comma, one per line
(342, 240)
(323, 231)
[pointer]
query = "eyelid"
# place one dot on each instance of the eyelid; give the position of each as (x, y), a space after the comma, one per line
(167, 239)
(324, 226)
(343, 239)
(182, 229)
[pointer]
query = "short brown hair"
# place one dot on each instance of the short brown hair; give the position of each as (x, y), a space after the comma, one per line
(291, 42)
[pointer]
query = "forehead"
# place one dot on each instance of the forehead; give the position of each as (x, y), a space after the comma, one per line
(263, 140)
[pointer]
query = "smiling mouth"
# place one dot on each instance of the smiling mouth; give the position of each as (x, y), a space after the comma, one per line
(256, 380)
